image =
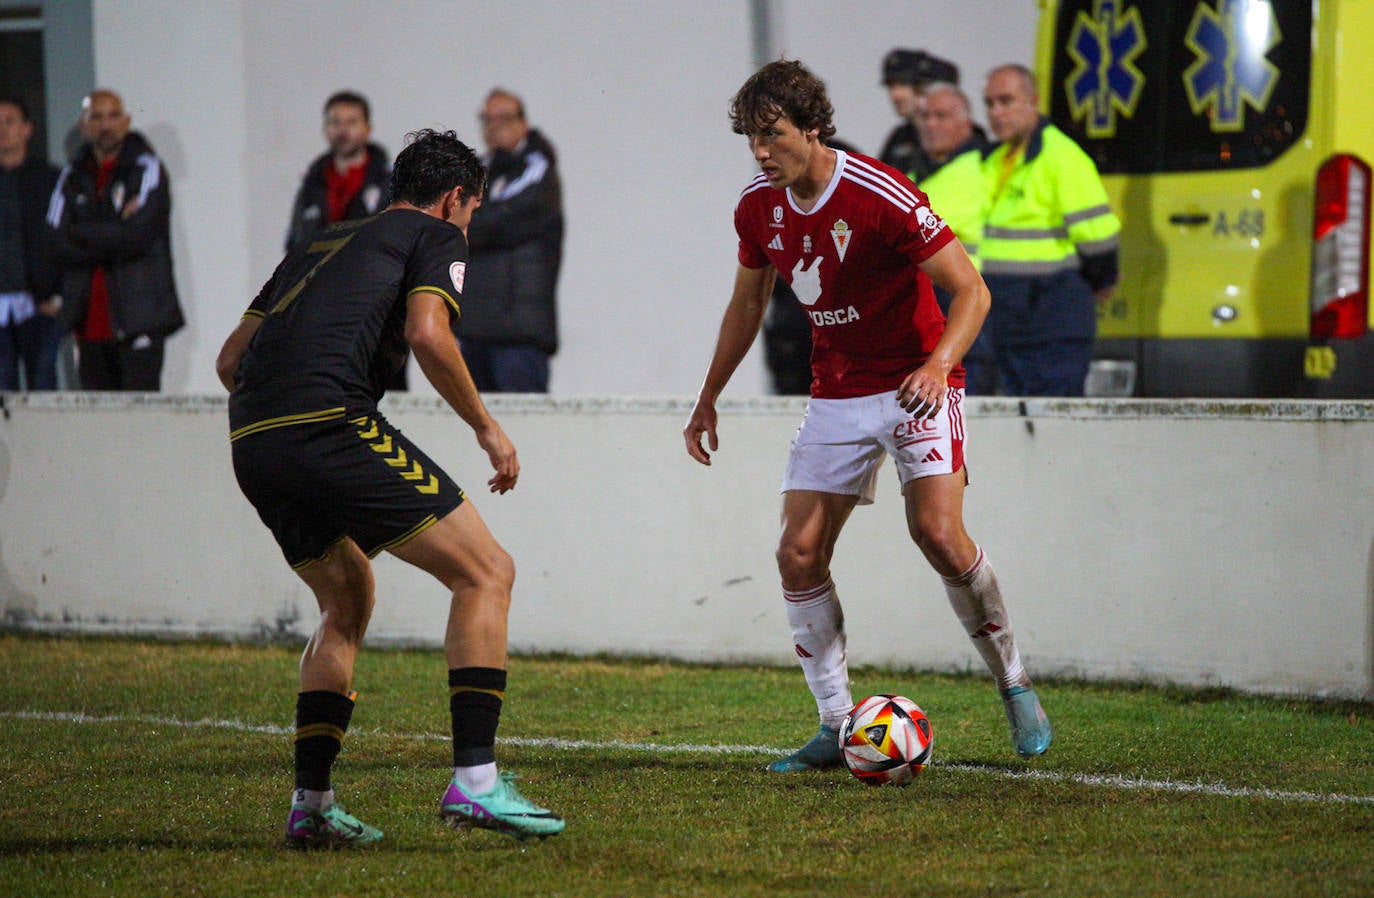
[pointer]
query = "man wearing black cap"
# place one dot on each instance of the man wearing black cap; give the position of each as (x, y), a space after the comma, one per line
(906, 74)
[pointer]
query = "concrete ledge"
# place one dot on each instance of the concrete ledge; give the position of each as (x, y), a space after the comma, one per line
(980, 406)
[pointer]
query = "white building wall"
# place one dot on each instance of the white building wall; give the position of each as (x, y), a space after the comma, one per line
(633, 95)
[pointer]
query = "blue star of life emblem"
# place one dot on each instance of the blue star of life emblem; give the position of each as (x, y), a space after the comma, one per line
(1231, 69)
(1105, 79)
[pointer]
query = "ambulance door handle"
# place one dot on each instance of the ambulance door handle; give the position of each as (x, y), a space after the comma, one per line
(1190, 218)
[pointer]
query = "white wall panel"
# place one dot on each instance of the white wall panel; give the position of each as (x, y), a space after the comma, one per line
(1205, 543)
(633, 95)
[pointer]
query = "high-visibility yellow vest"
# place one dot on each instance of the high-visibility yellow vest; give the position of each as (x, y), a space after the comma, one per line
(958, 195)
(1044, 209)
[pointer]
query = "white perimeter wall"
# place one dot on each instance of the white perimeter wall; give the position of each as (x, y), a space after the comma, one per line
(1202, 543)
(633, 94)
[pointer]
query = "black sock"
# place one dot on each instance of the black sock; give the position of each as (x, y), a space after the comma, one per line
(475, 696)
(321, 720)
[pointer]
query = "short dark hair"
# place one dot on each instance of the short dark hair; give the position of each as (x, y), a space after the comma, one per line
(349, 96)
(782, 88)
(13, 100)
(917, 68)
(432, 164)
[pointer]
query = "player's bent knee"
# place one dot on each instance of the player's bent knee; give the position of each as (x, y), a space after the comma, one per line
(492, 573)
(799, 561)
(944, 543)
(502, 571)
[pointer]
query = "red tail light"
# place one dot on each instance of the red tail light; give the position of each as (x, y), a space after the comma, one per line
(1340, 249)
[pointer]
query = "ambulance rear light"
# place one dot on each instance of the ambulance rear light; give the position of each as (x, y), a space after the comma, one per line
(1340, 249)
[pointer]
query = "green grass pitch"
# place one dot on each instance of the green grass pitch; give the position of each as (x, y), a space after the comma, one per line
(131, 768)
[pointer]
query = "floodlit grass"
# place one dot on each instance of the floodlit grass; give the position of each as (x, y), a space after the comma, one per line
(175, 781)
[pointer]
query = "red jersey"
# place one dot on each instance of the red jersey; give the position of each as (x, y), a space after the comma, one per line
(852, 261)
(98, 326)
(342, 186)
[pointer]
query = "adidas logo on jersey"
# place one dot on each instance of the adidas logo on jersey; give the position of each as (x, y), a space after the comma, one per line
(776, 242)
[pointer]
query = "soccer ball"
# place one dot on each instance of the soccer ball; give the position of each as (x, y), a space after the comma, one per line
(886, 740)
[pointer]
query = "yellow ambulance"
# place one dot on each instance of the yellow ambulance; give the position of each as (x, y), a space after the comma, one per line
(1235, 138)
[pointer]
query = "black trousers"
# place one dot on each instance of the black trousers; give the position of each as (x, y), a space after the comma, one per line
(133, 364)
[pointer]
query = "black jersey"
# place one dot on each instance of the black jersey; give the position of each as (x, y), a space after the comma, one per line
(334, 311)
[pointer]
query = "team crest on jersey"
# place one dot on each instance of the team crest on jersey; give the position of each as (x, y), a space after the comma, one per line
(777, 213)
(840, 234)
(930, 223)
(456, 272)
(806, 243)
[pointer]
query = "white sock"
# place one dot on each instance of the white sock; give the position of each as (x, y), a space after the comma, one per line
(476, 780)
(977, 601)
(818, 637)
(314, 799)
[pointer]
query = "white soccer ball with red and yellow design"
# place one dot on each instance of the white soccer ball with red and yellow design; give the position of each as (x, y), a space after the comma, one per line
(886, 740)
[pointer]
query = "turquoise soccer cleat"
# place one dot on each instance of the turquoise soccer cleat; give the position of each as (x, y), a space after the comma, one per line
(822, 752)
(332, 827)
(1030, 728)
(502, 809)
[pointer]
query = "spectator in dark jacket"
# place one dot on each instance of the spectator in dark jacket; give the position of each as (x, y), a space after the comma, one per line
(906, 73)
(509, 323)
(28, 332)
(109, 222)
(351, 180)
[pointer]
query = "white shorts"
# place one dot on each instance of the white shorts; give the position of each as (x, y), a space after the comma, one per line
(840, 444)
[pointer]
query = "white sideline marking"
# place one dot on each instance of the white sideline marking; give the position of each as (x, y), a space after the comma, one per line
(1127, 783)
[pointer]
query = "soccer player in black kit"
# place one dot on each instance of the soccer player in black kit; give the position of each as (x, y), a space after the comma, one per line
(336, 484)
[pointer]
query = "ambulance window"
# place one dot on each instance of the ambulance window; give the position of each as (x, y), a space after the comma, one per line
(1182, 86)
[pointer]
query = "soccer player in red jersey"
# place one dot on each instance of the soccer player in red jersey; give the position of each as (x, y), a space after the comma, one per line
(860, 245)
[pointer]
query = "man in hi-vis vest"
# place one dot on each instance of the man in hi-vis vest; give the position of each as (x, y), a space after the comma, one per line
(1049, 244)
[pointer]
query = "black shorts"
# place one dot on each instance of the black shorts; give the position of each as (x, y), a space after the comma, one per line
(315, 483)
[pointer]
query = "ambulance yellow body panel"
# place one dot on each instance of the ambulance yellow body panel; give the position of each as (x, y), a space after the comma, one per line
(1210, 122)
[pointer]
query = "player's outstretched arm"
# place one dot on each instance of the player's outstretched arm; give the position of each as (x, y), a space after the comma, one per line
(738, 328)
(231, 353)
(923, 391)
(436, 351)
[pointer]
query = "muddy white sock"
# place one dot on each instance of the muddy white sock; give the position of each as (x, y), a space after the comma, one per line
(819, 640)
(977, 601)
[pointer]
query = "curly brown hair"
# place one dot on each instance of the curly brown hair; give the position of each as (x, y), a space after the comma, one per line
(782, 88)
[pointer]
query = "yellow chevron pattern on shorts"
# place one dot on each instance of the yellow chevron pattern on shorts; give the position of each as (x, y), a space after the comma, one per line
(371, 431)
(395, 456)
